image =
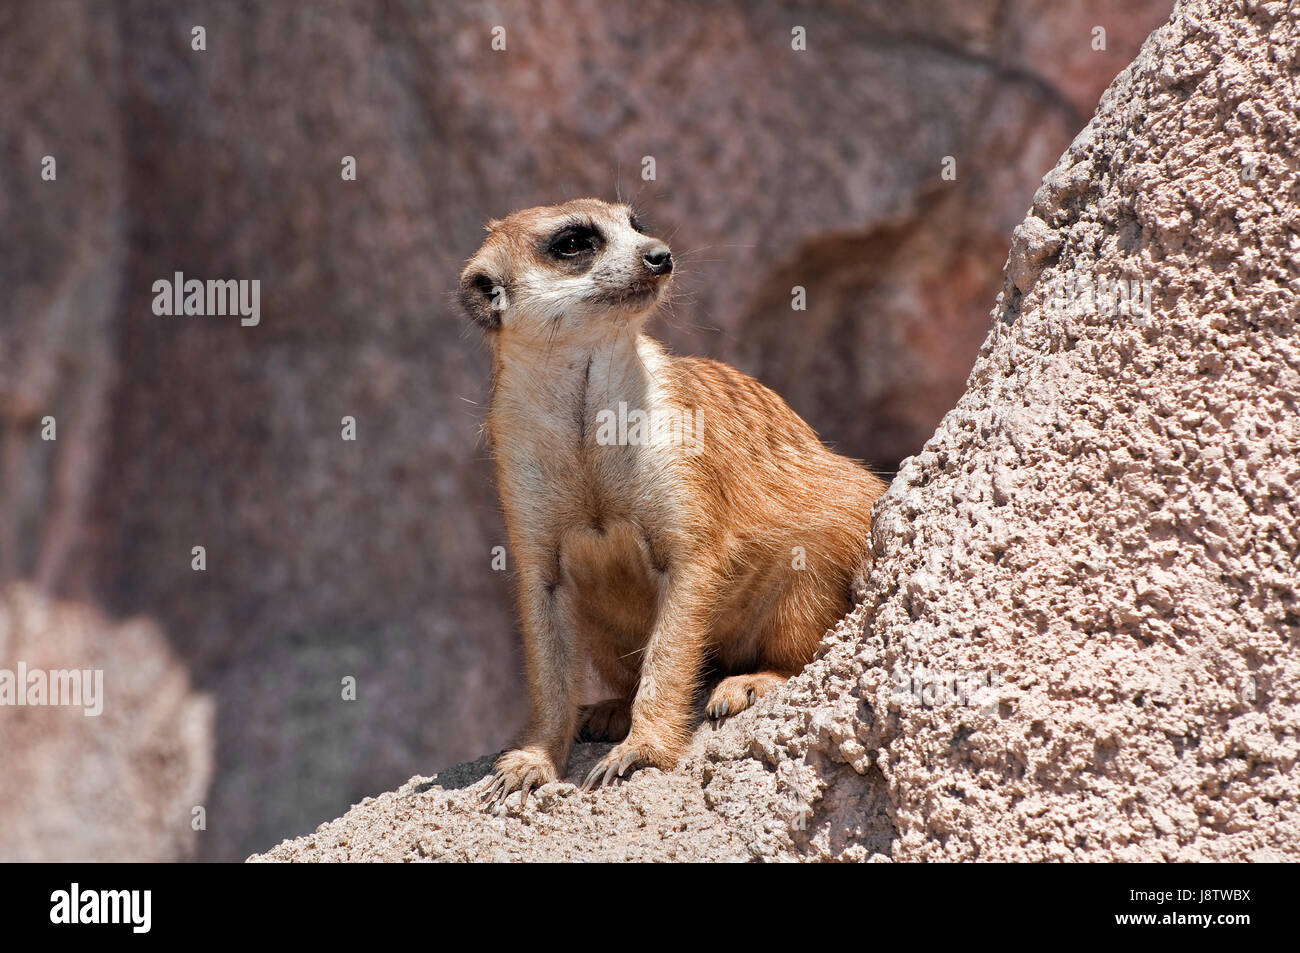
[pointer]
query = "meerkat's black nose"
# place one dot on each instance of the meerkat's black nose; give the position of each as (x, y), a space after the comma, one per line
(658, 259)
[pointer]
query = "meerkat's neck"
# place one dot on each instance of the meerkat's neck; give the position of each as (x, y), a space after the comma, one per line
(576, 377)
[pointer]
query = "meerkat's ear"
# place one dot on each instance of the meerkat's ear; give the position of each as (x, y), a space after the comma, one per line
(483, 296)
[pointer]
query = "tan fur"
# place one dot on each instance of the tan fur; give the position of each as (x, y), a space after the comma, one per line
(647, 561)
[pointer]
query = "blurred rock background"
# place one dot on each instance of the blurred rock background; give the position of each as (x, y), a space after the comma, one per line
(326, 558)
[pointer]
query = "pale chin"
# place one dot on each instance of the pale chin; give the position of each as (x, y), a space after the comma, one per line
(636, 303)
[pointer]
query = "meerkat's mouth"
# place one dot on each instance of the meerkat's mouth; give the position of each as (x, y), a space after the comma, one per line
(638, 293)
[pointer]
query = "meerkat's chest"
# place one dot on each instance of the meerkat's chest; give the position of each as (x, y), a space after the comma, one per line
(596, 508)
(590, 478)
(567, 478)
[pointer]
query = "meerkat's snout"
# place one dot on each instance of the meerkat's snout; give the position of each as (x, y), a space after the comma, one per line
(632, 272)
(658, 258)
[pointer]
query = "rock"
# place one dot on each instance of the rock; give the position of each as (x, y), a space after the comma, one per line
(120, 783)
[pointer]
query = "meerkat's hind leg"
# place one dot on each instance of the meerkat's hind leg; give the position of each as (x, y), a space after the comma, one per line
(733, 695)
(608, 720)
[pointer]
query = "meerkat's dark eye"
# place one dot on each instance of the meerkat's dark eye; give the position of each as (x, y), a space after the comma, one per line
(484, 285)
(574, 241)
(637, 224)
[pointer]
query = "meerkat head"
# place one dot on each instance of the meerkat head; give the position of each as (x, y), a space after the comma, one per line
(577, 268)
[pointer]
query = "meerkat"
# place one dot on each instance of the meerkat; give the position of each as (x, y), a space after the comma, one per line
(665, 514)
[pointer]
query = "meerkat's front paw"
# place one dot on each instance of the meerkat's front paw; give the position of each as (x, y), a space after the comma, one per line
(609, 720)
(733, 695)
(625, 757)
(520, 770)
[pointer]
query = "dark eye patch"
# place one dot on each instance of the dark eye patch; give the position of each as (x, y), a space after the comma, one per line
(637, 224)
(575, 241)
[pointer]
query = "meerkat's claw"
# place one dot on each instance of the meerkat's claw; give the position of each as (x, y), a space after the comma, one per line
(628, 760)
(521, 770)
(531, 780)
(593, 779)
(619, 761)
(606, 768)
(610, 774)
(733, 695)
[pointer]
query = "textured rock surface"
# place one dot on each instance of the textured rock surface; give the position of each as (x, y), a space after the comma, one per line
(372, 559)
(1079, 637)
(121, 785)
